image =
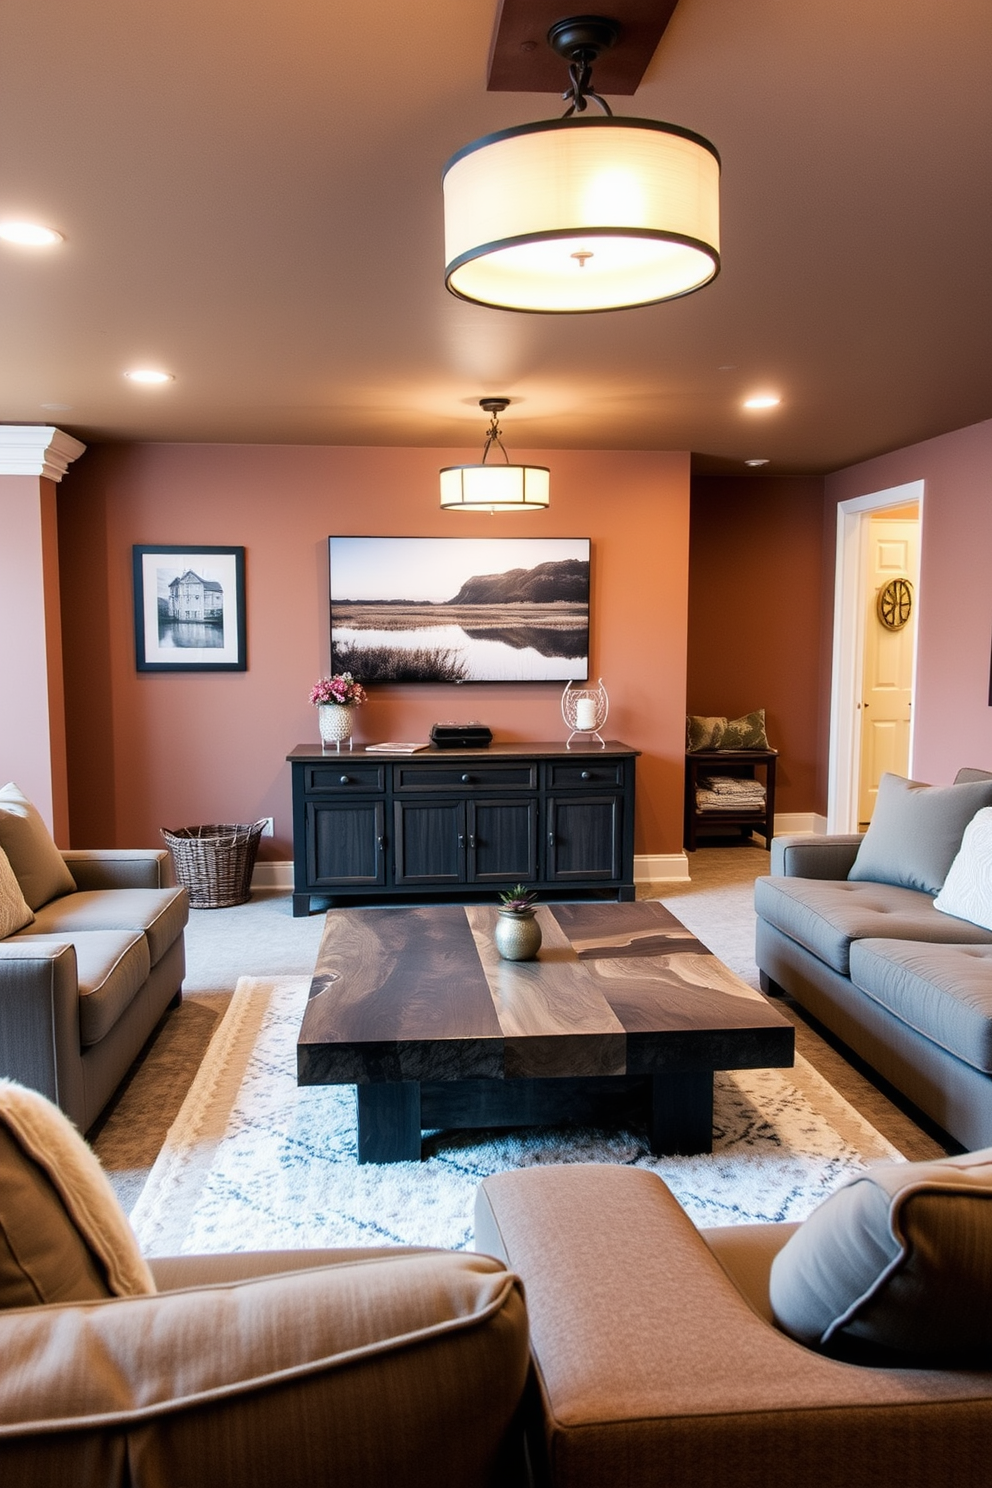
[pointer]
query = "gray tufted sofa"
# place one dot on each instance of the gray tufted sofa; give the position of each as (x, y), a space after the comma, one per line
(82, 986)
(907, 987)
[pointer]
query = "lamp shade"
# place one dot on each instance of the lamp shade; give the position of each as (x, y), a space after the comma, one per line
(495, 488)
(582, 214)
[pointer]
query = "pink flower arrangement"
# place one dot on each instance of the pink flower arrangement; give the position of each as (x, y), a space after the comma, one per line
(341, 688)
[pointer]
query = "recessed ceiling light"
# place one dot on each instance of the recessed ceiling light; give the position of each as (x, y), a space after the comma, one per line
(29, 234)
(755, 462)
(763, 400)
(149, 375)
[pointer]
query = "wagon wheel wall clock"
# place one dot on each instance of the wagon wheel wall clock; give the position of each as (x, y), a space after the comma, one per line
(895, 603)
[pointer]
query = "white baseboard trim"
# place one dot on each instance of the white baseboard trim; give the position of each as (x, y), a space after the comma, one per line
(650, 868)
(791, 822)
(660, 867)
(272, 875)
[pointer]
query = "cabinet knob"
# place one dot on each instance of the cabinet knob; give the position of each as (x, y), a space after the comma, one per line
(466, 780)
(586, 775)
(345, 780)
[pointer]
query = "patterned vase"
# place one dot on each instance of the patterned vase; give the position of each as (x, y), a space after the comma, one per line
(334, 720)
(517, 935)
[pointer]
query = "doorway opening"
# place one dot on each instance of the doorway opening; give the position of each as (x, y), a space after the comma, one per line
(876, 607)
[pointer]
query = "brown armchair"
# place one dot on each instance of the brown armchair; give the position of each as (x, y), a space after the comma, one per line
(657, 1361)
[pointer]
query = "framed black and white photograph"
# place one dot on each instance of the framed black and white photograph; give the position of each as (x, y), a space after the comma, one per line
(460, 609)
(189, 609)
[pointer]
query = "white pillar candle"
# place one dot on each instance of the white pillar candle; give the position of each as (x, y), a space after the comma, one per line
(585, 713)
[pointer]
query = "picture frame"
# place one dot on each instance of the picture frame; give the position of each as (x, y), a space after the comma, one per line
(189, 608)
(460, 609)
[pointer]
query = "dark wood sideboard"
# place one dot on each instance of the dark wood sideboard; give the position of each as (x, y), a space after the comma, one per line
(462, 823)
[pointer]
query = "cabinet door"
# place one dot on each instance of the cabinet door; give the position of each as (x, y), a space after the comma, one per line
(502, 841)
(345, 843)
(584, 837)
(430, 842)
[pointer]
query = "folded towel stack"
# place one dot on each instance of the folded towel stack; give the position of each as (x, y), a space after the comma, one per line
(732, 785)
(729, 793)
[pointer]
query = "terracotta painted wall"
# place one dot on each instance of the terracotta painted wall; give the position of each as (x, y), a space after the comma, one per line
(755, 579)
(953, 722)
(148, 750)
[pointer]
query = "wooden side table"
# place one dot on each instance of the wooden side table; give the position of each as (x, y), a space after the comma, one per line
(741, 762)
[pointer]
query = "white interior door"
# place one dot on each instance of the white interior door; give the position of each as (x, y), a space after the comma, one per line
(889, 653)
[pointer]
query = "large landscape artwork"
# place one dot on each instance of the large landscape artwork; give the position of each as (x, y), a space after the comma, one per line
(460, 609)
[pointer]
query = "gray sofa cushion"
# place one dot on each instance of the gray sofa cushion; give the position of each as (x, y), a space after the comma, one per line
(160, 913)
(944, 992)
(900, 1260)
(111, 966)
(825, 916)
(916, 830)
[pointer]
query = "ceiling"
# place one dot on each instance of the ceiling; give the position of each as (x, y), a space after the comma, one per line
(250, 197)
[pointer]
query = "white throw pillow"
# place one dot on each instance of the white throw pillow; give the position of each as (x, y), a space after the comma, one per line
(15, 911)
(967, 891)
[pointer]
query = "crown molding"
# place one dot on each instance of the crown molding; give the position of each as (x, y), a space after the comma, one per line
(37, 449)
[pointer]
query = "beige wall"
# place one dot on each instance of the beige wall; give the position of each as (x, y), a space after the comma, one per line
(32, 724)
(953, 720)
(147, 750)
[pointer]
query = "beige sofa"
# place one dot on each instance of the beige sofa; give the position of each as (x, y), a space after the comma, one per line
(658, 1364)
(83, 985)
(362, 1368)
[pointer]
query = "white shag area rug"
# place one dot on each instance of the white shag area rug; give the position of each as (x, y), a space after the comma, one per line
(255, 1162)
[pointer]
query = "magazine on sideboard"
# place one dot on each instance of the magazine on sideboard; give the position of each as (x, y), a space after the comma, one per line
(395, 746)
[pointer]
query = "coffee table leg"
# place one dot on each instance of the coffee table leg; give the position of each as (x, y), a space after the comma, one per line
(389, 1122)
(681, 1121)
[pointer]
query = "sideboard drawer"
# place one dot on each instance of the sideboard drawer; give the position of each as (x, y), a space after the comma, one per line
(586, 773)
(466, 776)
(340, 775)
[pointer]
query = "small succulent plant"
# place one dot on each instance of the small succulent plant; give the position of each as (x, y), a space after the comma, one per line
(517, 899)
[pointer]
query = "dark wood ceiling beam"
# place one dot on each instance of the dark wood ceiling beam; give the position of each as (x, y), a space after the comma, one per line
(520, 60)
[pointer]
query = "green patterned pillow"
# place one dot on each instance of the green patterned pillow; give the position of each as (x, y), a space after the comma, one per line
(703, 733)
(745, 733)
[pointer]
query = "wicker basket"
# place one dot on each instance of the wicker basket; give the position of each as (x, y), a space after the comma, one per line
(215, 863)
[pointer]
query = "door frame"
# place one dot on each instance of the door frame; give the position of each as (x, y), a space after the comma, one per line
(847, 671)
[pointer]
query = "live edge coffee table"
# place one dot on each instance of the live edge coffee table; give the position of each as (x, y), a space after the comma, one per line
(624, 1013)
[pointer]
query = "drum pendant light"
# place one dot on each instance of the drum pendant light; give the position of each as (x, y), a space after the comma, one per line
(495, 488)
(578, 214)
